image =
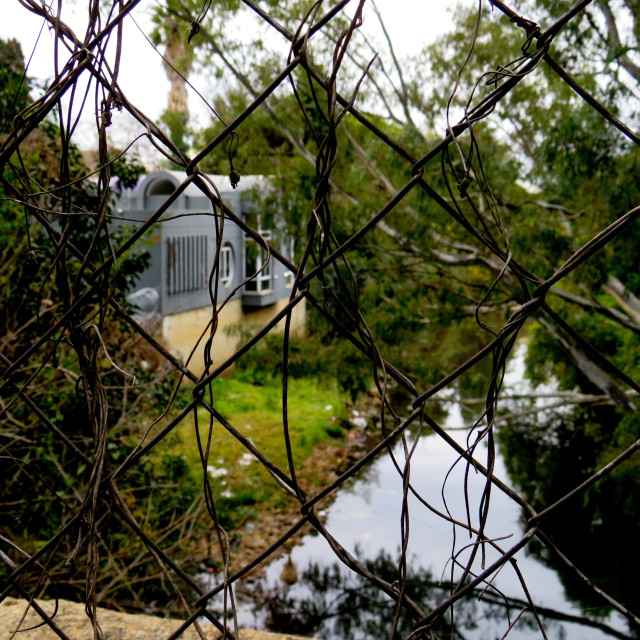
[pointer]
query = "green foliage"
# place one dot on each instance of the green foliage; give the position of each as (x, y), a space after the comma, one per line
(179, 133)
(14, 85)
(315, 356)
(127, 170)
(45, 480)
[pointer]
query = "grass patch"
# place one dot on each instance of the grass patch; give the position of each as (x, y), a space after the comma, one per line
(240, 484)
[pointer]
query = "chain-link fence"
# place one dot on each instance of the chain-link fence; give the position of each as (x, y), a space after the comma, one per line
(80, 331)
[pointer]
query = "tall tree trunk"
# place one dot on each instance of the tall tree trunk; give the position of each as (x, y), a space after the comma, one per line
(177, 57)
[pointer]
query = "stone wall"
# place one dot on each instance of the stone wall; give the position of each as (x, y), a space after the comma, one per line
(72, 620)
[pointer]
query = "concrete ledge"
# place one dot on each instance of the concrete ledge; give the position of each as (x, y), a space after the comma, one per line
(72, 620)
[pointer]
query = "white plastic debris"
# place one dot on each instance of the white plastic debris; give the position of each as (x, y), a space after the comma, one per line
(245, 459)
(214, 472)
(361, 423)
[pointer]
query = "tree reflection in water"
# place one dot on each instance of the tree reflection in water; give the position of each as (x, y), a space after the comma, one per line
(332, 602)
(328, 601)
(547, 456)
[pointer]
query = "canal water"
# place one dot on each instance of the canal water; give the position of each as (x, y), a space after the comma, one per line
(309, 592)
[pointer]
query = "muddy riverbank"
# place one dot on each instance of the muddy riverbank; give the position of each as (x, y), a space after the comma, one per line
(327, 462)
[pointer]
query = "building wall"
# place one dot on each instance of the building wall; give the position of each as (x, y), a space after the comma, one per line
(182, 330)
(182, 249)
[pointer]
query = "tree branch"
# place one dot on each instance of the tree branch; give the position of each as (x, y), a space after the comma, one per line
(615, 45)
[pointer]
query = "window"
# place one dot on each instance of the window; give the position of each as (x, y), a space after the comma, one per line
(257, 265)
(187, 268)
(289, 252)
(225, 265)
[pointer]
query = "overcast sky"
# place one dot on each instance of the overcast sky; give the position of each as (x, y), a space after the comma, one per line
(411, 24)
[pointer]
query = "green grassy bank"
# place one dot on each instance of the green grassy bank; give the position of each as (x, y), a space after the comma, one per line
(240, 484)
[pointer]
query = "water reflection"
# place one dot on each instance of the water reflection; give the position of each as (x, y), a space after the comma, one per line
(332, 602)
(545, 460)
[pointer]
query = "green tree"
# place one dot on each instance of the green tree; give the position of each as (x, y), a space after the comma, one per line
(552, 157)
(51, 239)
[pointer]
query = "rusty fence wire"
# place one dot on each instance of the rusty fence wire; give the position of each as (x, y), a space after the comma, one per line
(86, 285)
